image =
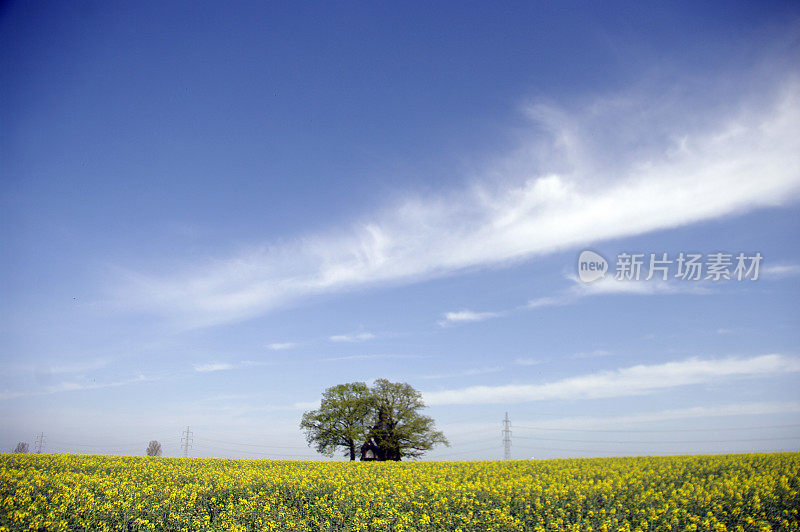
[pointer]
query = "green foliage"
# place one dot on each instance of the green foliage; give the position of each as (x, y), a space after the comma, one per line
(388, 415)
(401, 431)
(342, 419)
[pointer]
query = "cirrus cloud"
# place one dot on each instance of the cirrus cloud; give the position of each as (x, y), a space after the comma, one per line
(680, 172)
(630, 381)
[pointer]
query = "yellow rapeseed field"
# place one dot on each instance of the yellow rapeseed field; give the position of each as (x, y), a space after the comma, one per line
(73, 493)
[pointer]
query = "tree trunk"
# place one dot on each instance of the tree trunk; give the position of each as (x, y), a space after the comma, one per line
(352, 452)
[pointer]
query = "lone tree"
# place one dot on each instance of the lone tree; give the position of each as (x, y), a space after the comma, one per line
(400, 429)
(21, 448)
(153, 448)
(385, 418)
(342, 419)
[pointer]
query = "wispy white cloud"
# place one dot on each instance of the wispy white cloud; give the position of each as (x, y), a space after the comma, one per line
(695, 412)
(541, 360)
(530, 361)
(367, 357)
(281, 346)
(590, 354)
(464, 373)
(461, 316)
(77, 367)
(213, 366)
(579, 290)
(549, 301)
(224, 366)
(73, 386)
(61, 367)
(353, 337)
(635, 421)
(780, 270)
(610, 285)
(634, 380)
(676, 173)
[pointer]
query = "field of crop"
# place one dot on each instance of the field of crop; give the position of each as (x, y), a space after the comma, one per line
(70, 492)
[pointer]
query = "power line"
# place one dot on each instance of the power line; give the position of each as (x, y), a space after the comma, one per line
(763, 427)
(186, 441)
(458, 434)
(607, 451)
(212, 447)
(39, 442)
(247, 444)
(561, 449)
(492, 448)
(506, 438)
(99, 446)
(660, 441)
(477, 441)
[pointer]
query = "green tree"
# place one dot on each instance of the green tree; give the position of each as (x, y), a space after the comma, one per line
(342, 420)
(387, 416)
(401, 430)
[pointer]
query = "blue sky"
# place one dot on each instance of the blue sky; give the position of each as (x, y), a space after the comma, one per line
(209, 215)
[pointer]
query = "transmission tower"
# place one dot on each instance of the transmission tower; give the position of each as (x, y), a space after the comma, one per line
(506, 438)
(186, 442)
(39, 442)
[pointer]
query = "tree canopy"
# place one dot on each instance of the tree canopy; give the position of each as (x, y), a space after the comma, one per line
(153, 448)
(385, 417)
(342, 419)
(22, 447)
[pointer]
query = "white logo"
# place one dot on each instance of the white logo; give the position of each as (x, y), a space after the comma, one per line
(716, 267)
(591, 266)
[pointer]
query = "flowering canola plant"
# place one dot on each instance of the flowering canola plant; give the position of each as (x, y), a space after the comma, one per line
(747, 492)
